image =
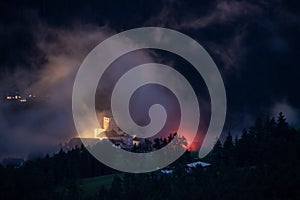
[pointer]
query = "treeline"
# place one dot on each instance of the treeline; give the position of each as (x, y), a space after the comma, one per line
(269, 141)
(262, 163)
(147, 145)
(58, 176)
(40, 178)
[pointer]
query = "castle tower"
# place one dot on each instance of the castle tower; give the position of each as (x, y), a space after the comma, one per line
(107, 123)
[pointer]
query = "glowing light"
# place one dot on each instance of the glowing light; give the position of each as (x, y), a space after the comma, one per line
(23, 100)
(97, 131)
(106, 123)
(8, 97)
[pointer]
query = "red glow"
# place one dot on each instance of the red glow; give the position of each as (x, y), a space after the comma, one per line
(196, 143)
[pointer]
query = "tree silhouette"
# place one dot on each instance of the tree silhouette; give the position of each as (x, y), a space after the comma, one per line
(282, 125)
(228, 149)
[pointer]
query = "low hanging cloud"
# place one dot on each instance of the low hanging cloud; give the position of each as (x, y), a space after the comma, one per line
(41, 127)
(230, 52)
(49, 122)
(221, 13)
(291, 114)
(230, 30)
(224, 12)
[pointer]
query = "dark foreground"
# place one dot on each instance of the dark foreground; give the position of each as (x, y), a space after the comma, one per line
(264, 163)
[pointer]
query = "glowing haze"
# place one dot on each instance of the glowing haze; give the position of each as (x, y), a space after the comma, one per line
(253, 43)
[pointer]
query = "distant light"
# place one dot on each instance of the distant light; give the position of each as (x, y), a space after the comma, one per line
(23, 100)
(8, 97)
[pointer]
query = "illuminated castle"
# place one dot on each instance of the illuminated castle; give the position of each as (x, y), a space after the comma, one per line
(111, 131)
(108, 125)
(108, 132)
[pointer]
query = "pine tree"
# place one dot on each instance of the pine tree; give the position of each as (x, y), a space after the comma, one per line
(228, 149)
(281, 121)
(270, 125)
(236, 141)
(228, 144)
(282, 125)
(217, 153)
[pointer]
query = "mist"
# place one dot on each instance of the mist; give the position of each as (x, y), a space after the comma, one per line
(48, 122)
(41, 55)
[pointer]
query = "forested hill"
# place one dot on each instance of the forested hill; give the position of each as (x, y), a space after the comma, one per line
(263, 163)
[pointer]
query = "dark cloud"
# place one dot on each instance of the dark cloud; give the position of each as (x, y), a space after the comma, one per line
(255, 44)
(48, 122)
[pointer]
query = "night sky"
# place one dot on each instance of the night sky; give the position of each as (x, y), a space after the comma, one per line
(254, 43)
